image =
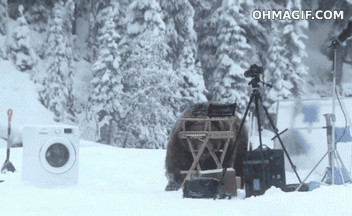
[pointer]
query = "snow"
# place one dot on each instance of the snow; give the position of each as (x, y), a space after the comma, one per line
(116, 181)
(18, 93)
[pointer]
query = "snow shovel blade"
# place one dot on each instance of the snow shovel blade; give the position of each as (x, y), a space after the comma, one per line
(8, 166)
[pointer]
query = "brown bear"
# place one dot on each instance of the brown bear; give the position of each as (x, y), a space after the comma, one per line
(179, 156)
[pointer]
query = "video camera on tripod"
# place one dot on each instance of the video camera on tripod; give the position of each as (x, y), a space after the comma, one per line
(254, 72)
(263, 168)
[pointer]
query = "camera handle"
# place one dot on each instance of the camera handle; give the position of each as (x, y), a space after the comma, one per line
(266, 84)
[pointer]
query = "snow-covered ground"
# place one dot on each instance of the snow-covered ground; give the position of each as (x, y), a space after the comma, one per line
(114, 181)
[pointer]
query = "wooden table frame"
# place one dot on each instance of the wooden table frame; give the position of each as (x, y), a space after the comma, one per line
(205, 136)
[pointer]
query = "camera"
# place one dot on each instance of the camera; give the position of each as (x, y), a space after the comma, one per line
(254, 71)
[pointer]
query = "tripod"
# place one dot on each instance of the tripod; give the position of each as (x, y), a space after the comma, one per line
(332, 153)
(257, 99)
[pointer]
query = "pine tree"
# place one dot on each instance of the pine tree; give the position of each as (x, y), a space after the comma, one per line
(72, 54)
(277, 68)
(37, 14)
(3, 29)
(92, 44)
(69, 27)
(96, 22)
(68, 16)
(182, 39)
(149, 80)
(3, 17)
(229, 84)
(192, 87)
(178, 18)
(294, 36)
(21, 50)
(285, 69)
(107, 96)
(56, 93)
(205, 24)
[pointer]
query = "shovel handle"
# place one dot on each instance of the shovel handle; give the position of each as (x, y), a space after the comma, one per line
(9, 114)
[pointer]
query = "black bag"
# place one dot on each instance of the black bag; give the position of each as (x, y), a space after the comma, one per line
(201, 187)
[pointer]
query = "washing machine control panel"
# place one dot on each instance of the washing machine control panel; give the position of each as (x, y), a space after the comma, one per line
(68, 130)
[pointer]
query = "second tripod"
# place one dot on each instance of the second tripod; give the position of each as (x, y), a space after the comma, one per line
(254, 72)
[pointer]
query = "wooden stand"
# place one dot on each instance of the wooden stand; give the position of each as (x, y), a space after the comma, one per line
(206, 136)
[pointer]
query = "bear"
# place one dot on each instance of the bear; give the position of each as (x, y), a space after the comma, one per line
(179, 156)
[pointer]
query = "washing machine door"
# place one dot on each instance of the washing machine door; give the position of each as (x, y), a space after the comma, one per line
(57, 155)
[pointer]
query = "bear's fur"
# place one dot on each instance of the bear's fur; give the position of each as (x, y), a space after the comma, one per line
(179, 156)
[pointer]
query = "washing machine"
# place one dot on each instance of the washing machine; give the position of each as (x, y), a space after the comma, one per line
(50, 155)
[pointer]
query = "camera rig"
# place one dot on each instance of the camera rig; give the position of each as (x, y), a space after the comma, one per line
(259, 161)
(254, 72)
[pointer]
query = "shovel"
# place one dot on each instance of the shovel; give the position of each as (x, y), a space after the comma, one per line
(8, 166)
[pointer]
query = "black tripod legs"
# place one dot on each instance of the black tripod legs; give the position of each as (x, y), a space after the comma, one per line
(256, 97)
(233, 152)
(257, 114)
(278, 137)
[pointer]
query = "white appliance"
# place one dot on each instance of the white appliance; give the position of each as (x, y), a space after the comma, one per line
(50, 155)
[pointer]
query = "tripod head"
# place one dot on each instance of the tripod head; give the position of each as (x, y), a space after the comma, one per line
(255, 82)
(254, 72)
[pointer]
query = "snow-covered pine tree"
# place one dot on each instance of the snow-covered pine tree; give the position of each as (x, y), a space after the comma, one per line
(37, 14)
(68, 15)
(3, 17)
(3, 29)
(285, 69)
(205, 24)
(228, 82)
(277, 67)
(182, 41)
(21, 51)
(95, 23)
(149, 81)
(69, 26)
(293, 36)
(72, 54)
(256, 30)
(92, 44)
(191, 86)
(56, 93)
(107, 95)
(178, 18)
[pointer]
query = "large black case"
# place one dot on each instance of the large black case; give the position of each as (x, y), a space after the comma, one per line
(201, 187)
(263, 169)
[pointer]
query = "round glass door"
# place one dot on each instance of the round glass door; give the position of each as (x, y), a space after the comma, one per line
(57, 155)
